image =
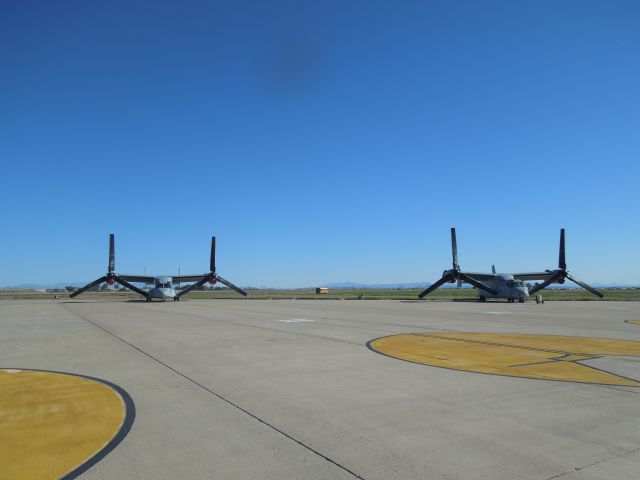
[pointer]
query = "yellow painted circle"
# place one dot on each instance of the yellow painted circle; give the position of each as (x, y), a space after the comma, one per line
(546, 357)
(51, 423)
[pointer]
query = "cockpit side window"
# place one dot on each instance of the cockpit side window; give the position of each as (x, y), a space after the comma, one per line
(510, 284)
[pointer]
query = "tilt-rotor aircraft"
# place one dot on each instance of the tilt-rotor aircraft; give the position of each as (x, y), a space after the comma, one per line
(506, 285)
(163, 285)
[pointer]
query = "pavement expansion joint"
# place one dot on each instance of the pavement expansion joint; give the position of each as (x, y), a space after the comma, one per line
(269, 329)
(611, 457)
(217, 395)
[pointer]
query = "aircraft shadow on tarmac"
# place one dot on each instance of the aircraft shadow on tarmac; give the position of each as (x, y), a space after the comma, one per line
(133, 300)
(458, 300)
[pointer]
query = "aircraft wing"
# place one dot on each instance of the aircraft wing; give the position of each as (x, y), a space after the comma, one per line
(137, 278)
(188, 278)
(532, 275)
(480, 276)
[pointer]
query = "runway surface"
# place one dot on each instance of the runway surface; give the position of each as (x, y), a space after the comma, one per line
(240, 389)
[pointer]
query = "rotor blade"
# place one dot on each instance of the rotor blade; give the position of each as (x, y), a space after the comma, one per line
(199, 283)
(87, 287)
(562, 264)
(454, 249)
(212, 261)
(546, 283)
(231, 285)
(585, 286)
(432, 287)
(477, 283)
(124, 283)
(112, 254)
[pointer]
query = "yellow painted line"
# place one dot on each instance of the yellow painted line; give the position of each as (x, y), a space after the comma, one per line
(51, 423)
(547, 357)
(635, 322)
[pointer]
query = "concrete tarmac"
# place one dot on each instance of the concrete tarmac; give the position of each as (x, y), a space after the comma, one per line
(252, 389)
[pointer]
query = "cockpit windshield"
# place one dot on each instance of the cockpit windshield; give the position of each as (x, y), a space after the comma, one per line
(163, 285)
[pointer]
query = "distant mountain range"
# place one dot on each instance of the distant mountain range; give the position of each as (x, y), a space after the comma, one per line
(334, 286)
(375, 286)
(402, 286)
(41, 286)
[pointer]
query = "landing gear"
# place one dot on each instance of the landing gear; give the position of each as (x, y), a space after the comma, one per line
(148, 299)
(482, 299)
(521, 300)
(176, 299)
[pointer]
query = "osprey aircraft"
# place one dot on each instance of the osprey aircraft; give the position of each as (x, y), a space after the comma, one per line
(163, 285)
(506, 285)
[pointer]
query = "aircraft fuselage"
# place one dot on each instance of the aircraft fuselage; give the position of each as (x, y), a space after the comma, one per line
(507, 287)
(162, 289)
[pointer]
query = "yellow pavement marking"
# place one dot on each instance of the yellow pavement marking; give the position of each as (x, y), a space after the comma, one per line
(51, 423)
(635, 322)
(547, 357)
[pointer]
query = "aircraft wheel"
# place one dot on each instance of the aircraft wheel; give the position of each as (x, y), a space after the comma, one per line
(164, 299)
(521, 300)
(482, 299)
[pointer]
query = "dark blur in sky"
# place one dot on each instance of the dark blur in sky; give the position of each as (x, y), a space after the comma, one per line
(321, 141)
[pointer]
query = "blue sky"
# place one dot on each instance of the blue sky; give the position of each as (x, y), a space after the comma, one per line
(320, 141)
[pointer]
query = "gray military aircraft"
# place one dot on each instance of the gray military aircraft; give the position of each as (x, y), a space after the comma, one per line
(511, 286)
(163, 285)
